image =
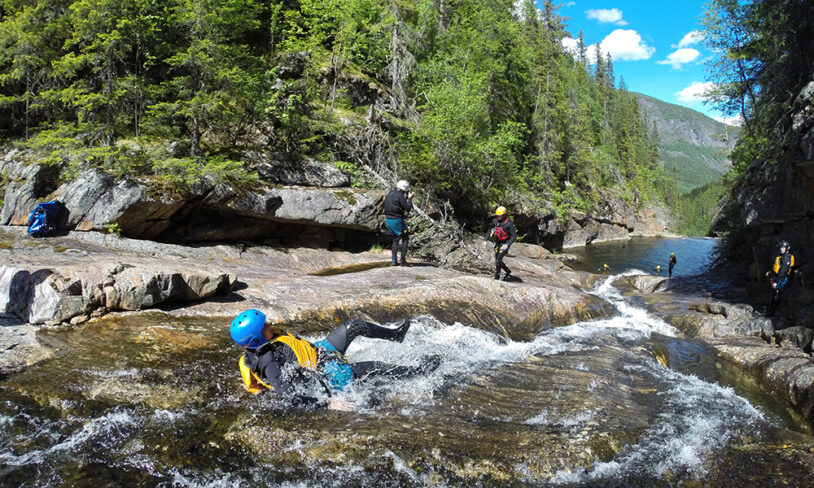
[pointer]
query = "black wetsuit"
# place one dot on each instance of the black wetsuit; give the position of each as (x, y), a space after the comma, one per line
(511, 231)
(276, 364)
(672, 263)
(396, 206)
(780, 279)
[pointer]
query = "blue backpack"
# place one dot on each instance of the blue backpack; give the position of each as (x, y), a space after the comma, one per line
(42, 219)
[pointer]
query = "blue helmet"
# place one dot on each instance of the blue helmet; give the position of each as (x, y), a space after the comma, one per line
(246, 328)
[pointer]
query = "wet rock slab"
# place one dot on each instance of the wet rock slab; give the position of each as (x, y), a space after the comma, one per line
(503, 426)
(82, 275)
(779, 357)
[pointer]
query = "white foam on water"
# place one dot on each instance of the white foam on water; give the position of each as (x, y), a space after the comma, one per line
(463, 351)
(696, 419)
(104, 428)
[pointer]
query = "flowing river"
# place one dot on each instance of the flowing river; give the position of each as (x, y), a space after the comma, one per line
(153, 400)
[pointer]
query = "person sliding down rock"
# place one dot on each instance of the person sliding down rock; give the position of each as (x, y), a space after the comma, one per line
(294, 368)
(503, 232)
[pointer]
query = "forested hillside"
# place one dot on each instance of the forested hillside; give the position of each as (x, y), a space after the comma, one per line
(694, 148)
(475, 101)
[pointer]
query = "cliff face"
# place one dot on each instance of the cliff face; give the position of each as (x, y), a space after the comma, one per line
(776, 201)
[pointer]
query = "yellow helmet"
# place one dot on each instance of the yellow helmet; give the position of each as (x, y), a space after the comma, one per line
(500, 211)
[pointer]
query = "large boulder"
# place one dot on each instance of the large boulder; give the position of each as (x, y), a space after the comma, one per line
(65, 294)
(28, 184)
(306, 172)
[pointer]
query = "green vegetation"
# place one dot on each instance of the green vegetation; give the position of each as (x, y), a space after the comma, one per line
(766, 54)
(689, 164)
(694, 148)
(698, 208)
(474, 101)
(114, 229)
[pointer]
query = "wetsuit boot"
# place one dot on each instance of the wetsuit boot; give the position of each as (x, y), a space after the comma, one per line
(357, 328)
(394, 248)
(405, 239)
(370, 369)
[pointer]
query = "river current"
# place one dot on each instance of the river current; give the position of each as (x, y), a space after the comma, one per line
(623, 401)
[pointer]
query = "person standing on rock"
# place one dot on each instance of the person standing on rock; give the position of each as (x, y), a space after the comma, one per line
(672, 264)
(295, 368)
(779, 275)
(503, 232)
(396, 205)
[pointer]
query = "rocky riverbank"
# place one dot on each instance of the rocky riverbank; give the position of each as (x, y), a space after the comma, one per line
(776, 351)
(68, 280)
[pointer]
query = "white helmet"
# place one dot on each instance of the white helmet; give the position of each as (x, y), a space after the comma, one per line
(403, 185)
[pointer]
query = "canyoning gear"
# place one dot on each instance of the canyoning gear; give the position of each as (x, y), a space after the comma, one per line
(403, 185)
(251, 381)
(285, 362)
(334, 366)
(368, 369)
(246, 329)
(499, 234)
(786, 260)
(506, 227)
(500, 211)
(502, 225)
(305, 352)
(785, 244)
(43, 218)
(780, 276)
(401, 240)
(396, 227)
(342, 336)
(396, 205)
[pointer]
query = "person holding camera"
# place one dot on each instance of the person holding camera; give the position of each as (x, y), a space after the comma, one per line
(396, 205)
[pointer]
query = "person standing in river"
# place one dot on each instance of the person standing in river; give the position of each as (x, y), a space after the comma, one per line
(672, 264)
(503, 232)
(780, 274)
(296, 369)
(396, 205)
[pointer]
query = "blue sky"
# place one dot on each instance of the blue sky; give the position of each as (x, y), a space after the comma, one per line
(655, 45)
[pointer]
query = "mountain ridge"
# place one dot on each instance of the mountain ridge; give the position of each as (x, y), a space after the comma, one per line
(695, 145)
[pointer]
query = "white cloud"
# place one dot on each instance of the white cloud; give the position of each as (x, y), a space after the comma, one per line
(570, 4)
(606, 16)
(626, 45)
(690, 39)
(623, 45)
(696, 92)
(680, 57)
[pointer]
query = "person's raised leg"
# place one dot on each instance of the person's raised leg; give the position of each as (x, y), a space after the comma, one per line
(342, 336)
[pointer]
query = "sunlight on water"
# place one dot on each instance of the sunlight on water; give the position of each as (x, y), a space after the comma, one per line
(692, 420)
